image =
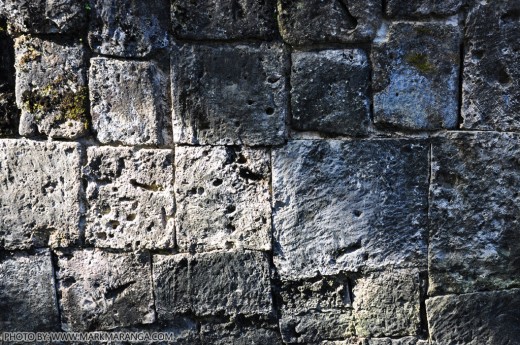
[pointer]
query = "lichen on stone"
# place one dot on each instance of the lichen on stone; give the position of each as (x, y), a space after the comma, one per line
(420, 62)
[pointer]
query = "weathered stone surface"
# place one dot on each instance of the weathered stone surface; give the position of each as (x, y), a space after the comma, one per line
(130, 198)
(27, 296)
(223, 198)
(129, 102)
(239, 97)
(387, 304)
(330, 91)
(45, 16)
(378, 341)
(102, 290)
(347, 205)
(475, 215)
(39, 193)
(9, 114)
(319, 21)
(224, 19)
(212, 283)
(422, 8)
(129, 28)
(51, 87)
(415, 76)
(489, 318)
(315, 326)
(238, 334)
(491, 87)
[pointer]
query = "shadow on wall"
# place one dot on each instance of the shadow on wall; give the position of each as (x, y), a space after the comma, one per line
(8, 110)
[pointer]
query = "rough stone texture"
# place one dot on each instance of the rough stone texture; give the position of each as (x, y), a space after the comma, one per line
(315, 326)
(475, 214)
(238, 334)
(27, 297)
(102, 290)
(39, 193)
(9, 114)
(415, 76)
(330, 91)
(378, 341)
(51, 87)
(491, 87)
(305, 22)
(130, 198)
(422, 8)
(128, 28)
(347, 205)
(224, 19)
(45, 16)
(212, 283)
(239, 97)
(489, 318)
(223, 198)
(129, 102)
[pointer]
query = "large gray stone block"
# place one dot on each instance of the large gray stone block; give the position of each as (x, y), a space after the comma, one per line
(378, 341)
(491, 87)
(305, 22)
(414, 9)
(130, 198)
(474, 232)
(129, 102)
(240, 334)
(488, 318)
(239, 97)
(27, 295)
(415, 76)
(348, 205)
(330, 91)
(51, 87)
(315, 326)
(102, 290)
(224, 19)
(223, 198)
(40, 188)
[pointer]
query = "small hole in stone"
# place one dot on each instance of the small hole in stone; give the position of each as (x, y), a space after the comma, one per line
(114, 224)
(217, 182)
(272, 79)
(269, 111)
(200, 190)
(237, 123)
(130, 217)
(101, 235)
(357, 213)
(231, 209)
(250, 102)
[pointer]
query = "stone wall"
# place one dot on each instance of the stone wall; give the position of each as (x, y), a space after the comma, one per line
(262, 171)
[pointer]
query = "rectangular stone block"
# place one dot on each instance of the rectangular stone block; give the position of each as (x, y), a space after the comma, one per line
(240, 334)
(490, 90)
(474, 214)
(129, 102)
(239, 97)
(102, 290)
(378, 341)
(40, 188)
(415, 76)
(330, 91)
(315, 326)
(230, 283)
(128, 28)
(51, 87)
(475, 319)
(414, 9)
(223, 198)
(349, 205)
(27, 294)
(130, 202)
(224, 19)
(304, 22)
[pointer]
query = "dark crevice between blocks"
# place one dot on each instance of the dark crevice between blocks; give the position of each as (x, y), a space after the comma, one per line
(9, 114)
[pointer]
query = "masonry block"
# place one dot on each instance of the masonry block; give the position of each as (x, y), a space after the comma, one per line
(223, 198)
(474, 213)
(330, 91)
(315, 326)
(415, 76)
(129, 102)
(239, 97)
(130, 198)
(103, 290)
(240, 334)
(414, 9)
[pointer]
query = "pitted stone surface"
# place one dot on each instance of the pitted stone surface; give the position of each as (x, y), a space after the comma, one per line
(129, 198)
(102, 290)
(378, 341)
(475, 319)
(238, 334)
(39, 193)
(422, 8)
(128, 28)
(491, 87)
(415, 76)
(315, 326)
(27, 296)
(239, 97)
(223, 198)
(330, 91)
(305, 22)
(475, 214)
(224, 19)
(51, 87)
(212, 283)
(129, 102)
(348, 205)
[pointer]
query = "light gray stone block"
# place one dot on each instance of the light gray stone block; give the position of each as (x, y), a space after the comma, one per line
(414, 9)
(315, 326)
